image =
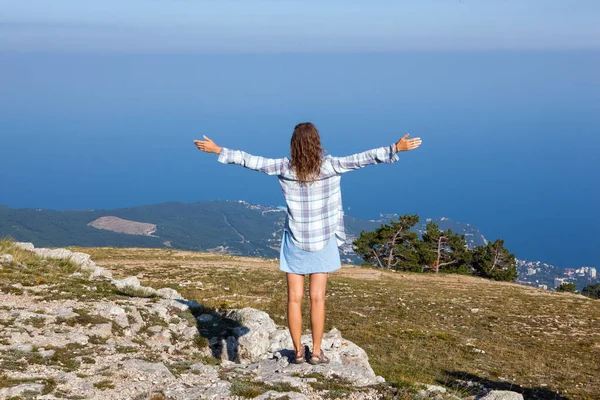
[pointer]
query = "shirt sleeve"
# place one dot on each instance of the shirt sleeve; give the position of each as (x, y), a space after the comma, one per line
(270, 166)
(379, 155)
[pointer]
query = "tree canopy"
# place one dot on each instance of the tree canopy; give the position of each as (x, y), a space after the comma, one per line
(394, 246)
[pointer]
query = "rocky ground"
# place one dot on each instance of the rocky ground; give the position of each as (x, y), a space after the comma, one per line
(69, 330)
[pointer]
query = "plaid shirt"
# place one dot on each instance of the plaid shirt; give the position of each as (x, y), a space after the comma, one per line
(314, 211)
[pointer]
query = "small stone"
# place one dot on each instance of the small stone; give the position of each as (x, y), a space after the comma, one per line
(474, 310)
(6, 259)
(435, 388)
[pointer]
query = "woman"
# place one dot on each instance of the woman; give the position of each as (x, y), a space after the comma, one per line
(314, 225)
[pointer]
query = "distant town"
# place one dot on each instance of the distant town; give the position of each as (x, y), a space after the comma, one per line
(546, 276)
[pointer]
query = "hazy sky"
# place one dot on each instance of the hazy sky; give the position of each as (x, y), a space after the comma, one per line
(275, 26)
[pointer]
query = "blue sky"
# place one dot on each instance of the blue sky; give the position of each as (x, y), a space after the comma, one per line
(94, 115)
(289, 26)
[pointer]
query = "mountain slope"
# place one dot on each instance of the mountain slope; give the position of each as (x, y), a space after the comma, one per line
(224, 226)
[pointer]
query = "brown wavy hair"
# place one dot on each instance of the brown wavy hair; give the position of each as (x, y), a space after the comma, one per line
(306, 152)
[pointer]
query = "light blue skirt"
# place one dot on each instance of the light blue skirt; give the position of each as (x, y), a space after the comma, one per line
(294, 260)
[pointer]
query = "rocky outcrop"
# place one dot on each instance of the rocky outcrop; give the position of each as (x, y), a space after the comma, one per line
(83, 260)
(268, 351)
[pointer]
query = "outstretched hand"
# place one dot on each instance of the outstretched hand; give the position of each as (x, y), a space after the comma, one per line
(405, 144)
(207, 145)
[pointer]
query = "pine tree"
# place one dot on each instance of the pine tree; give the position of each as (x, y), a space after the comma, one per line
(592, 290)
(445, 251)
(493, 261)
(391, 246)
(567, 287)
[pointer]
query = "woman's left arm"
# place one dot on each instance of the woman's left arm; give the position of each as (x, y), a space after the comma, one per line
(270, 166)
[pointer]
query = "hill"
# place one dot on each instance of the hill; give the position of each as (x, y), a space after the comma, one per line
(237, 228)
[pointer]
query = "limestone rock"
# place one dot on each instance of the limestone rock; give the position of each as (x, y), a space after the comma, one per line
(502, 395)
(131, 281)
(168, 293)
(25, 245)
(6, 259)
(16, 391)
(271, 394)
(103, 331)
(434, 388)
(53, 253)
(64, 312)
(138, 320)
(99, 272)
(114, 312)
(253, 333)
(155, 369)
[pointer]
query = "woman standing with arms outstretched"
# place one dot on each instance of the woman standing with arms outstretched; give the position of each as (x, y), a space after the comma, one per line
(314, 226)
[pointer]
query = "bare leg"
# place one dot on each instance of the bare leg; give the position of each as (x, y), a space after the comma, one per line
(294, 309)
(318, 282)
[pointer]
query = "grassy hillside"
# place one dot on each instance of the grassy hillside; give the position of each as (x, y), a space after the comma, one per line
(415, 327)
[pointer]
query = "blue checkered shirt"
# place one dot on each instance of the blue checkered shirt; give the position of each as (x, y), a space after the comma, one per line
(314, 211)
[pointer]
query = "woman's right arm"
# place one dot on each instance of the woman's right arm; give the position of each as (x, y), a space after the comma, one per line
(270, 166)
(386, 154)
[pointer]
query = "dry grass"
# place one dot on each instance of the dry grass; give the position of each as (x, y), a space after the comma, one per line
(31, 270)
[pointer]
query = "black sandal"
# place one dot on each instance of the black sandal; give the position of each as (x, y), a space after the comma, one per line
(299, 358)
(318, 358)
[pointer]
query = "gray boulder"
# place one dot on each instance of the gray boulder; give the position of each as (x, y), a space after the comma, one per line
(266, 349)
(253, 334)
